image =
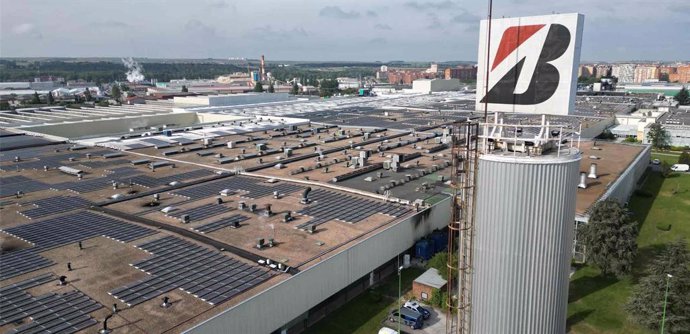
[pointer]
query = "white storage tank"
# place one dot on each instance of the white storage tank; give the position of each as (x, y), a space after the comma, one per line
(525, 212)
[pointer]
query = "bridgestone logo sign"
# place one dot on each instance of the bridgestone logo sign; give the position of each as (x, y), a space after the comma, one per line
(533, 64)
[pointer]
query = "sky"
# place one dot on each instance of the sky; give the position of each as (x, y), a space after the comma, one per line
(375, 30)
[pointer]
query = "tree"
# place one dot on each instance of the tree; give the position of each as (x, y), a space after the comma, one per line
(683, 97)
(328, 87)
(646, 304)
(610, 238)
(271, 89)
(115, 92)
(440, 262)
(36, 99)
(658, 136)
(185, 89)
(665, 169)
(4, 105)
(684, 158)
(50, 98)
(258, 87)
(295, 89)
(87, 95)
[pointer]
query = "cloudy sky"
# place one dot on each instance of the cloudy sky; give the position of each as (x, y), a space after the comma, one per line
(427, 30)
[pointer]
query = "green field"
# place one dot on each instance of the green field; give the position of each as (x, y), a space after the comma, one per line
(364, 314)
(596, 302)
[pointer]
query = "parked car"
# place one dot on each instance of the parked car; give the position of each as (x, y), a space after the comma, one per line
(407, 317)
(680, 168)
(386, 330)
(656, 162)
(415, 306)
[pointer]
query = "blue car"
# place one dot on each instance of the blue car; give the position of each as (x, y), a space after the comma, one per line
(414, 306)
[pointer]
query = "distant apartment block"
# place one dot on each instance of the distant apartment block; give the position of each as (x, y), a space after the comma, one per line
(586, 71)
(461, 72)
(624, 72)
(602, 71)
(681, 74)
(645, 73)
(405, 77)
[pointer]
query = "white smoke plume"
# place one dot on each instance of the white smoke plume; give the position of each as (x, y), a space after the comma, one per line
(135, 73)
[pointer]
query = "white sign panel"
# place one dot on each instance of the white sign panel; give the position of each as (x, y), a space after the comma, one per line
(532, 64)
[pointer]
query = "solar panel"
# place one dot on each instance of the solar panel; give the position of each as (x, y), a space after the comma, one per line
(54, 205)
(11, 185)
(206, 274)
(74, 227)
(20, 262)
(327, 205)
(222, 223)
(49, 313)
(253, 188)
(202, 212)
(152, 182)
(102, 163)
(157, 142)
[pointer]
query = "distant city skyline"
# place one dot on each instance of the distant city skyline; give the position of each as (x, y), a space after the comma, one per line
(380, 30)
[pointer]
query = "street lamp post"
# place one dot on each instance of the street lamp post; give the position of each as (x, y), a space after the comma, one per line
(399, 288)
(663, 317)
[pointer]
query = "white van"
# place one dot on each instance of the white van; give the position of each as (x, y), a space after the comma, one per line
(680, 168)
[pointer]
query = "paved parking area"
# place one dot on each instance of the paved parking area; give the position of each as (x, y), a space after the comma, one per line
(436, 324)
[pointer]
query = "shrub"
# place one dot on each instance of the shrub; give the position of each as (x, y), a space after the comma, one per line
(663, 227)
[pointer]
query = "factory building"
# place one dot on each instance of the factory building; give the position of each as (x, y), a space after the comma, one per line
(427, 86)
(231, 99)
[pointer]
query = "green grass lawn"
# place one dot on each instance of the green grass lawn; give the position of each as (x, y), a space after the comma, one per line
(670, 158)
(364, 314)
(596, 302)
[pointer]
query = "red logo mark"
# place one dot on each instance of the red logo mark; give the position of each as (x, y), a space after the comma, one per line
(511, 39)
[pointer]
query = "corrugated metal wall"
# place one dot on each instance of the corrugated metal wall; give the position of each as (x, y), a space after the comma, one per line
(522, 245)
(280, 304)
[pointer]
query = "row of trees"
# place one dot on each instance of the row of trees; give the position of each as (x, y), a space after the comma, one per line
(610, 241)
(104, 71)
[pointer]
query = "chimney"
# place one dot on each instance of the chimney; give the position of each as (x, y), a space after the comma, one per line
(592, 171)
(583, 181)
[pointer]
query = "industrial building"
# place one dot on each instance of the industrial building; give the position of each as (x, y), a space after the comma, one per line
(677, 124)
(435, 85)
(232, 211)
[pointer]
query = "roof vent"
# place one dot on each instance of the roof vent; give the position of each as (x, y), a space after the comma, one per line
(168, 209)
(592, 171)
(583, 181)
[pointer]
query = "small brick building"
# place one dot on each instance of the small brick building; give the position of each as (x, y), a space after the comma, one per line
(424, 285)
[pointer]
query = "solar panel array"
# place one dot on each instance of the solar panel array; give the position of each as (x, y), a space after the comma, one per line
(120, 175)
(74, 227)
(152, 182)
(202, 212)
(28, 153)
(102, 163)
(21, 261)
(206, 274)
(50, 313)
(53, 205)
(11, 185)
(219, 224)
(157, 142)
(255, 188)
(52, 161)
(328, 205)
